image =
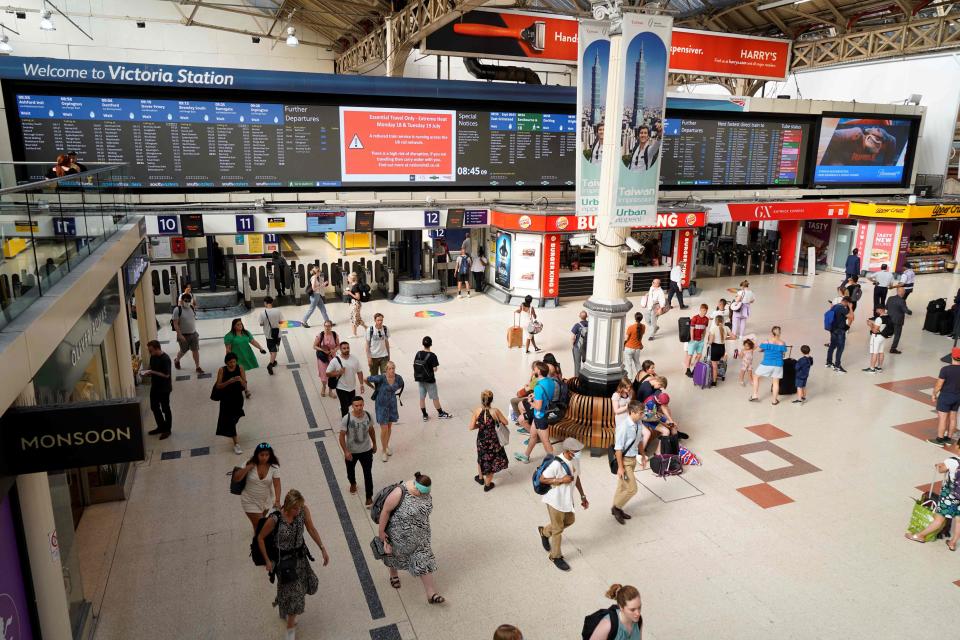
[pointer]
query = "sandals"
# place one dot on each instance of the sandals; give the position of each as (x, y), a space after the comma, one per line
(910, 536)
(395, 582)
(436, 599)
(775, 402)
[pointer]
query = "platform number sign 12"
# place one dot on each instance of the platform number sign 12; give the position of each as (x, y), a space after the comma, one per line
(168, 225)
(431, 219)
(245, 223)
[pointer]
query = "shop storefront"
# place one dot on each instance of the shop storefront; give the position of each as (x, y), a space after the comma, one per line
(923, 236)
(532, 254)
(18, 616)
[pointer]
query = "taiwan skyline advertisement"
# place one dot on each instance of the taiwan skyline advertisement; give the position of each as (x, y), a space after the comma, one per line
(591, 111)
(646, 42)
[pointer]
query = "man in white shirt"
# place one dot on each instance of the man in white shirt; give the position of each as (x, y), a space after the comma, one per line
(317, 285)
(378, 346)
(345, 369)
(270, 320)
(562, 475)
(656, 303)
(676, 284)
(626, 445)
(881, 280)
(907, 279)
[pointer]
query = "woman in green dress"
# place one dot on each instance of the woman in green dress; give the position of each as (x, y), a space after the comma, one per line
(238, 341)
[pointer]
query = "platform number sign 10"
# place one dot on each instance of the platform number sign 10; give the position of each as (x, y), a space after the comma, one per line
(245, 223)
(431, 219)
(168, 225)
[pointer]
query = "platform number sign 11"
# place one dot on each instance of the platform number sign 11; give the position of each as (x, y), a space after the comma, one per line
(271, 238)
(168, 225)
(245, 223)
(64, 226)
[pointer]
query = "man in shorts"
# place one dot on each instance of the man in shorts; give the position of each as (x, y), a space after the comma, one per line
(464, 262)
(879, 326)
(185, 326)
(946, 393)
(270, 320)
(543, 393)
(698, 330)
(425, 365)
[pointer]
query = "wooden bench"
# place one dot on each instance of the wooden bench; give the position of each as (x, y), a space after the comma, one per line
(589, 419)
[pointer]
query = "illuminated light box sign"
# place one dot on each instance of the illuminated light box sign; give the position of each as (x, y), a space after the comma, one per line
(860, 149)
(324, 221)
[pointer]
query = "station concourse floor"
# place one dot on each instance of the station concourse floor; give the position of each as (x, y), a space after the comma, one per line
(792, 528)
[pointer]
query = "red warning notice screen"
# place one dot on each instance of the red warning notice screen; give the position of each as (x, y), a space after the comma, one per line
(397, 145)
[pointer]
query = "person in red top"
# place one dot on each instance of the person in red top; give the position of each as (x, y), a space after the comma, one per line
(633, 345)
(698, 330)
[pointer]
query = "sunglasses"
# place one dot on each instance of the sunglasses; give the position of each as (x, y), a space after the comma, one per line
(263, 446)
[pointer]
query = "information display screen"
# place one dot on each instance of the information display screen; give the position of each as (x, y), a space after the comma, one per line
(185, 144)
(723, 150)
(865, 150)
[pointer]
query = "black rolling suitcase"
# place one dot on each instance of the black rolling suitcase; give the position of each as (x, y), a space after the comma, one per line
(945, 323)
(932, 320)
(683, 329)
(788, 383)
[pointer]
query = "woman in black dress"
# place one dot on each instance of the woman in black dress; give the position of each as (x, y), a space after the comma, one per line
(491, 456)
(228, 390)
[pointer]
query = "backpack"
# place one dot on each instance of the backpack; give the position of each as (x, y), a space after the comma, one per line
(270, 541)
(559, 403)
(829, 317)
(542, 489)
(378, 500)
(580, 344)
(887, 329)
(173, 316)
(364, 293)
(856, 293)
(592, 621)
(421, 372)
(664, 465)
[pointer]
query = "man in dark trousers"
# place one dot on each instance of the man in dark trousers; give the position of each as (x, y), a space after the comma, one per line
(676, 284)
(842, 318)
(897, 314)
(279, 273)
(852, 267)
(161, 384)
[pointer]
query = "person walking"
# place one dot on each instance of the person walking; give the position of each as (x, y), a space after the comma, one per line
(907, 279)
(853, 290)
(478, 268)
(325, 345)
(561, 476)
(317, 287)
(946, 395)
(462, 268)
(676, 284)
(386, 389)
(578, 338)
(354, 292)
(161, 386)
(270, 320)
(405, 532)
(740, 307)
(184, 320)
(346, 369)
(804, 364)
(633, 345)
(626, 445)
(279, 272)
(261, 480)
(531, 324)
(842, 318)
(238, 341)
(425, 365)
(228, 391)
(715, 343)
(358, 441)
(491, 456)
(624, 621)
(378, 346)
(295, 576)
(746, 362)
(771, 366)
(656, 306)
(852, 266)
(881, 280)
(880, 329)
(542, 395)
(897, 313)
(947, 507)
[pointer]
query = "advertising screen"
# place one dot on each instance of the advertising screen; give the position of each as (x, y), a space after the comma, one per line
(199, 144)
(724, 150)
(865, 150)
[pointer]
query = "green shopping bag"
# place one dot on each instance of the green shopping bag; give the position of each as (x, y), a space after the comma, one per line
(921, 518)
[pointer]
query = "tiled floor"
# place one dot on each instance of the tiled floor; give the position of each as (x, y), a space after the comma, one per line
(792, 528)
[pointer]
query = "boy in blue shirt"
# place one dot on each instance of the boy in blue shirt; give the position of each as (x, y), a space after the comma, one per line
(803, 372)
(543, 393)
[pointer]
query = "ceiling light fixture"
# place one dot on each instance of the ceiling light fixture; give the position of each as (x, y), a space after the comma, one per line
(292, 37)
(779, 3)
(46, 22)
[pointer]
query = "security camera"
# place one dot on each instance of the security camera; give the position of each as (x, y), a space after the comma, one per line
(580, 240)
(634, 246)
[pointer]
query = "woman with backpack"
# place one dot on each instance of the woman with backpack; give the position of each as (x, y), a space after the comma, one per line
(947, 507)
(405, 533)
(532, 326)
(262, 473)
(491, 456)
(385, 390)
(620, 622)
(355, 292)
(325, 345)
(295, 576)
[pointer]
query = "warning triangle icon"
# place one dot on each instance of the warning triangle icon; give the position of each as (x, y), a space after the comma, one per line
(355, 143)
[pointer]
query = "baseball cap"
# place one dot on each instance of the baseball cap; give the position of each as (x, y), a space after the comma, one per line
(572, 444)
(663, 398)
(955, 353)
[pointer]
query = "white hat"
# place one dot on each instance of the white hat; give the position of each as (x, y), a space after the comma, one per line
(572, 445)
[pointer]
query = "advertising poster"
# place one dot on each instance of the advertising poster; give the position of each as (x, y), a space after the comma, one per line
(683, 252)
(591, 110)
(397, 145)
(646, 41)
(526, 262)
(816, 234)
(14, 614)
(861, 245)
(727, 54)
(255, 243)
(504, 255)
(551, 266)
(862, 150)
(886, 239)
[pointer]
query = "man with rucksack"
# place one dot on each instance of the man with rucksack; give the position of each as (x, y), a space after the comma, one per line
(561, 474)
(358, 440)
(579, 340)
(378, 346)
(464, 261)
(837, 321)
(425, 364)
(185, 325)
(543, 394)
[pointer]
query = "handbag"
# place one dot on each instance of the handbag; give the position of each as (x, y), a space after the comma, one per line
(376, 545)
(286, 567)
(923, 514)
(216, 394)
(236, 486)
(503, 434)
(644, 301)
(534, 327)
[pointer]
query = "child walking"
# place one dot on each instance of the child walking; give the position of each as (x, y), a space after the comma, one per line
(803, 372)
(746, 364)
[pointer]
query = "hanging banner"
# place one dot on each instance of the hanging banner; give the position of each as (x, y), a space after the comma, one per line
(591, 108)
(550, 284)
(683, 252)
(646, 43)
(504, 251)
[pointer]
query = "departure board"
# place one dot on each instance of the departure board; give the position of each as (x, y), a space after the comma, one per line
(711, 151)
(186, 144)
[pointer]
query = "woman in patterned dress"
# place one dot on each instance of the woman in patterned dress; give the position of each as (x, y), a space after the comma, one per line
(326, 342)
(405, 531)
(292, 519)
(385, 390)
(491, 457)
(354, 292)
(948, 507)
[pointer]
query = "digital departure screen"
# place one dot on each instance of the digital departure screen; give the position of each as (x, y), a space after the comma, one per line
(184, 144)
(865, 150)
(724, 151)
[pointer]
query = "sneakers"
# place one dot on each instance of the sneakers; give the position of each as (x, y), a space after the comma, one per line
(153, 432)
(383, 456)
(426, 417)
(237, 450)
(522, 431)
(941, 441)
(869, 370)
(878, 369)
(519, 457)
(829, 365)
(388, 451)
(544, 540)
(617, 516)
(798, 401)
(688, 373)
(839, 369)
(443, 415)
(164, 435)
(304, 325)
(270, 367)
(561, 564)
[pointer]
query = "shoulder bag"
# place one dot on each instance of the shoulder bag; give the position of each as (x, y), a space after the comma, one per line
(274, 331)
(237, 486)
(333, 381)
(216, 394)
(612, 453)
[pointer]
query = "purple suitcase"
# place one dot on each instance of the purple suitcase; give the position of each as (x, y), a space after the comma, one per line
(702, 375)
